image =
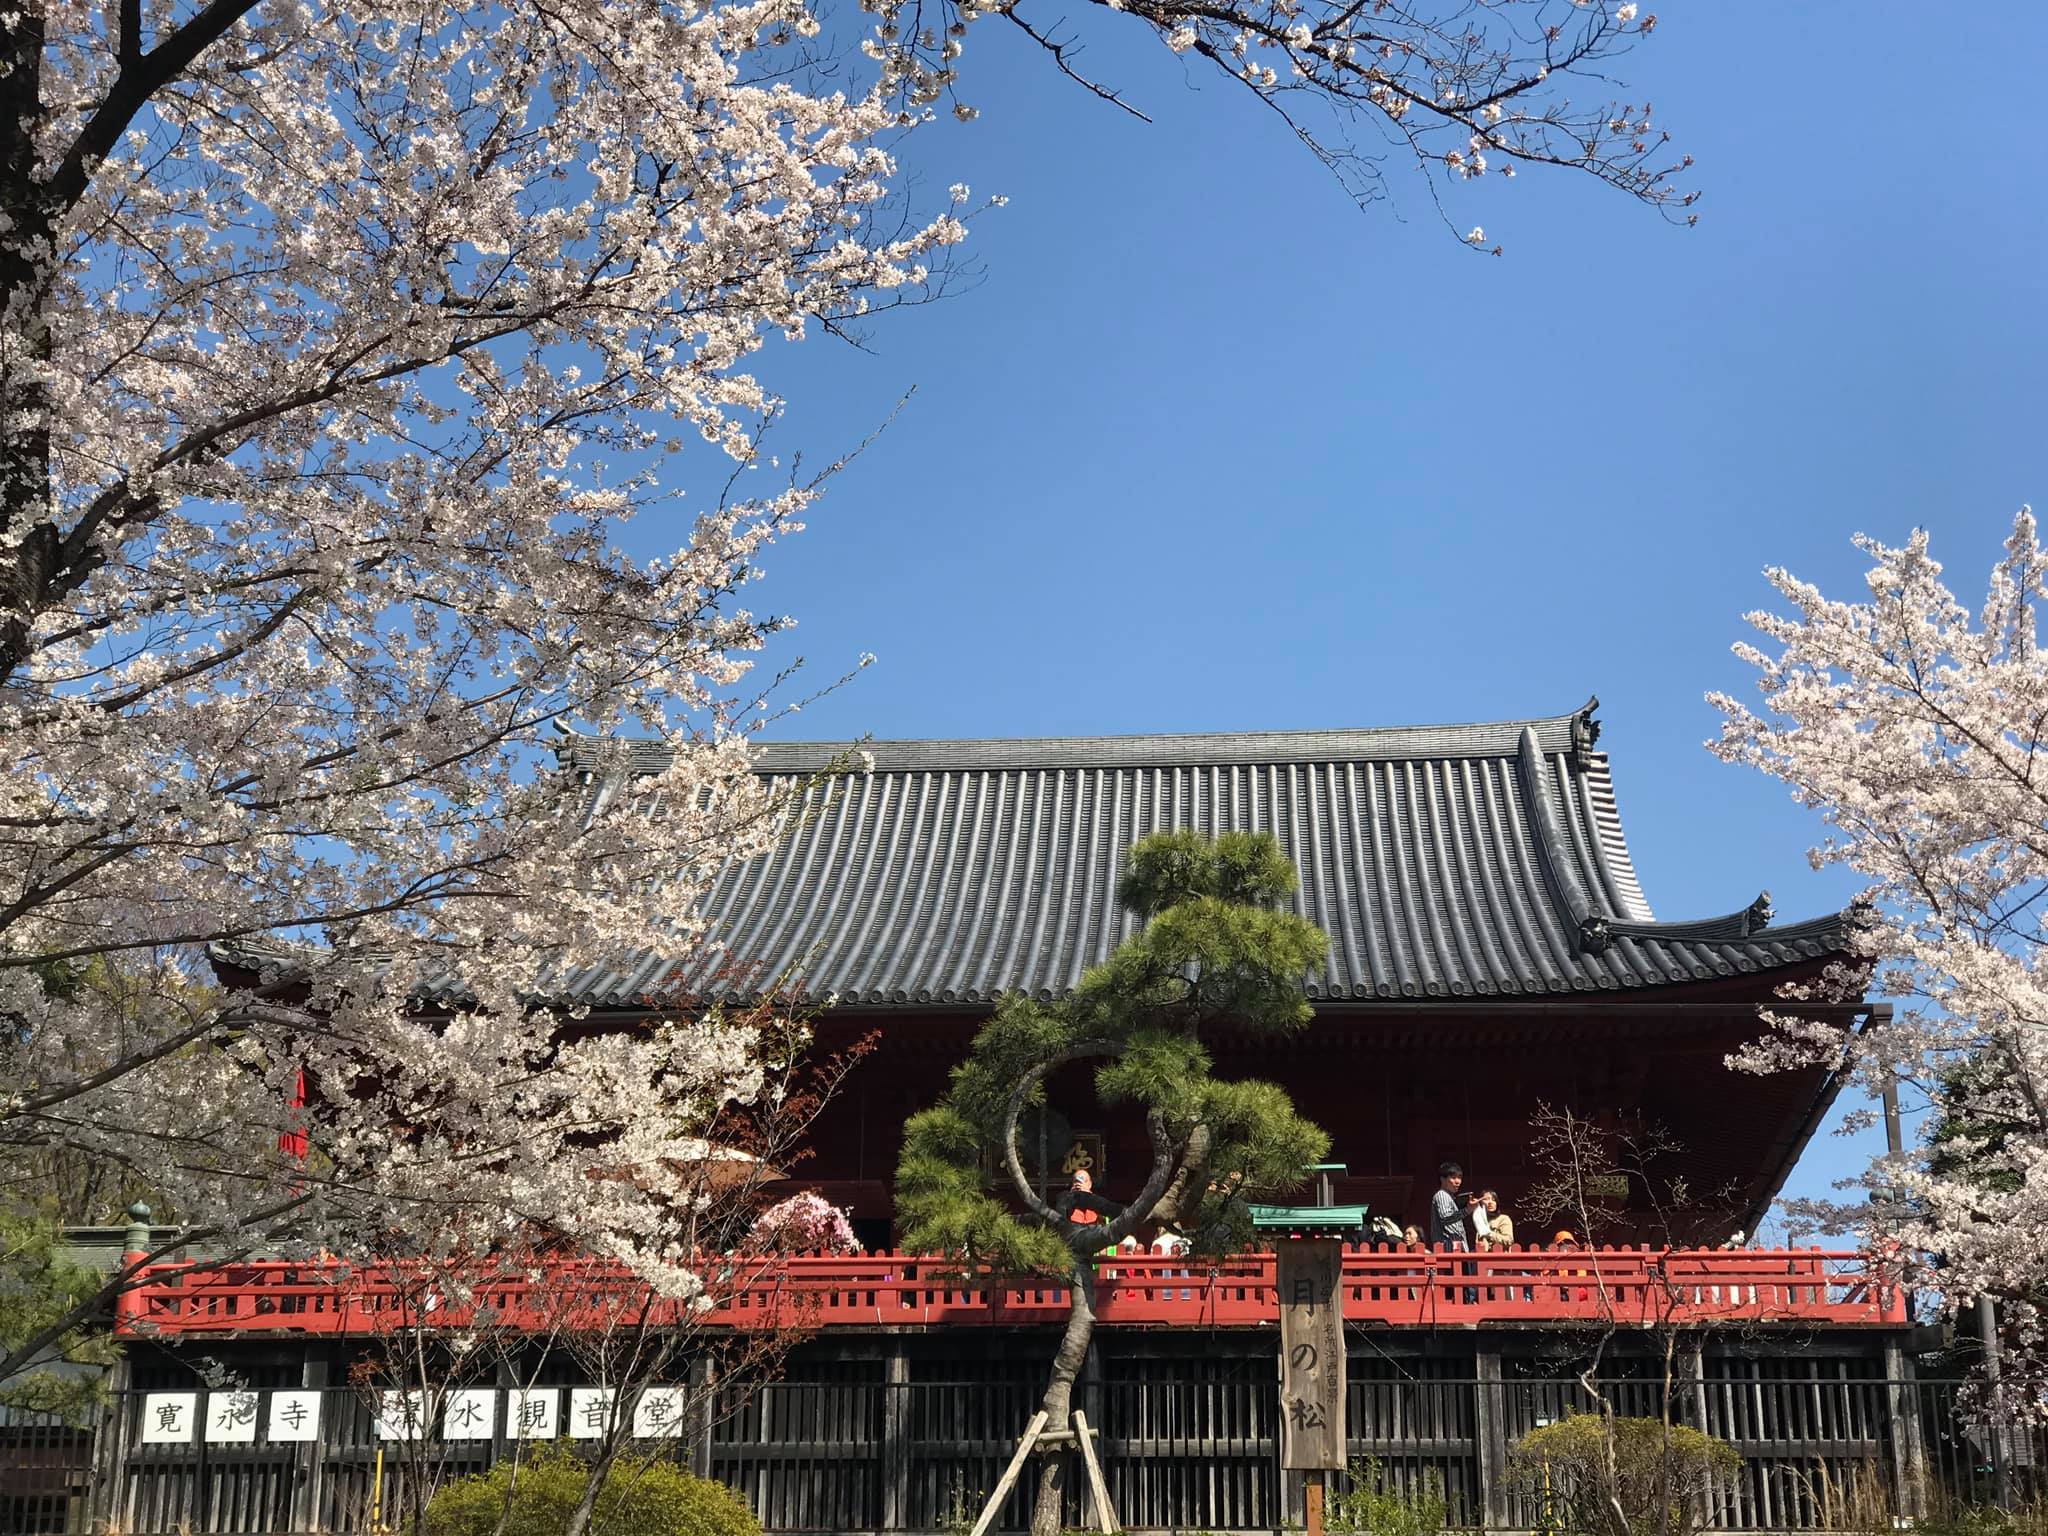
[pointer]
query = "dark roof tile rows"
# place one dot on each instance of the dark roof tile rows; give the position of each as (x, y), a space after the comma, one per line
(1444, 862)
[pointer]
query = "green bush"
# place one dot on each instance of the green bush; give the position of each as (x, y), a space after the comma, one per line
(641, 1497)
(1371, 1508)
(1980, 1520)
(1655, 1484)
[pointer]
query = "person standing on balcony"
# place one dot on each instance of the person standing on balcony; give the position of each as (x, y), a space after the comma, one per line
(1501, 1228)
(1080, 1204)
(1447, 1228)
(1411, 1242)
(1565, 1242)
(1083, 1207)
(1482, 1233)
(1446, 1222)
(1482, 1229)
(1171, 1243)
(1500, 1225)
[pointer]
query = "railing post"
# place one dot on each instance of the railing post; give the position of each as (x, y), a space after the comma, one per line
(1693, 1383)
(1909, 1454)
(128, 1305)
(309, 1487)
(1490, 1437)
(896, 1437)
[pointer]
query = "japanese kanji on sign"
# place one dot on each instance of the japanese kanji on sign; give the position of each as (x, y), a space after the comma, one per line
(471, 1414)
(231, 1417)
(402, 1415)
(168, 1418)
(1309, 1272)
(530, 1412)
(590, 1412)
(294, 1417)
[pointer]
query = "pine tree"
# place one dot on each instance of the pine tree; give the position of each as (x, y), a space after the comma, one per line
(1217, 953)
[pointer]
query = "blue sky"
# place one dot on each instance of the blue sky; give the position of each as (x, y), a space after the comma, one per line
(1208, 448)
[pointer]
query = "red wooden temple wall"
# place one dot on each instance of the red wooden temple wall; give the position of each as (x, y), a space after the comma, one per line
(1399, 1094)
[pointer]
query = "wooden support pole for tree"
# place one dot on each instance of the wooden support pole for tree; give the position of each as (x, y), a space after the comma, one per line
(1105, 1517)
(1009, 1478)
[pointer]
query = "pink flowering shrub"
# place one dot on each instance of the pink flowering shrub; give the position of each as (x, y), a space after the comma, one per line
(805, 1223)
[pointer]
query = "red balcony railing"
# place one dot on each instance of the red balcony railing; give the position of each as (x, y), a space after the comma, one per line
(1629, 1287)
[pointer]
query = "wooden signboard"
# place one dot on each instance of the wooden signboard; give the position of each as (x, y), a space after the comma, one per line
(1311, 1354)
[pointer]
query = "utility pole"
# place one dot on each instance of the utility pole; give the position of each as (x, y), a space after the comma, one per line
(1987, 1334)
(1895, 1146)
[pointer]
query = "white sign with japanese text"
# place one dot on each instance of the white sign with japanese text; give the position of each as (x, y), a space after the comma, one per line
(294, 1416)
(231, 1418)
(530, 1413)
(471, 1414)
(590, 1412)
(402, 1415)
(168, 1418)
(659, 1414)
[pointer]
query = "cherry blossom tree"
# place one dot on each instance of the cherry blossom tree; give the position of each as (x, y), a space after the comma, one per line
(804, 1223)
(1919, 731)
(342, 346)
(669, 1366)
(344, 350)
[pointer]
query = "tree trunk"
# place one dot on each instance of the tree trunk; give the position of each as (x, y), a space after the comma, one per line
(1058, 1401)
(593, 1485)
(1183, 1197)
(25, 230)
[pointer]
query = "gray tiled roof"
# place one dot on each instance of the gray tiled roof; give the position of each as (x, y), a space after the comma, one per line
(1444, 862)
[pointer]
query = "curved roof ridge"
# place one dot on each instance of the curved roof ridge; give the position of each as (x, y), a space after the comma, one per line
(1550, 840)
(1159, 749)
(1751, 922)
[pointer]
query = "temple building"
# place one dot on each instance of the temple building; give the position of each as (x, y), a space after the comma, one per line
(1491, 948)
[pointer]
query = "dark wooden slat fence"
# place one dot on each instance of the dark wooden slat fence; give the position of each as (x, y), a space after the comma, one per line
(1189, 1444)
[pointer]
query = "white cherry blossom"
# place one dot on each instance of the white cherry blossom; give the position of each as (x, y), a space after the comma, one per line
(1919, 731)
(342, 345)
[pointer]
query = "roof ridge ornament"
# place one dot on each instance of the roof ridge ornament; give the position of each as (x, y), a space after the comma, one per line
(1585, 732)
(1595, 936)
(1757, 915)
